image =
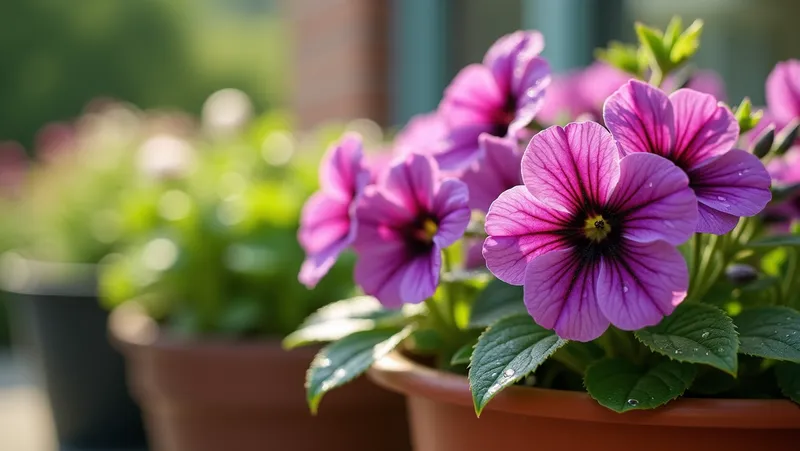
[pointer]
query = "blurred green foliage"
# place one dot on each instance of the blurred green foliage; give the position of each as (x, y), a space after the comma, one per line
(214, 251)
(59, 55)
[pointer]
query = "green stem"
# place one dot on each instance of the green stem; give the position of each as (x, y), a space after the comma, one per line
(656, 76)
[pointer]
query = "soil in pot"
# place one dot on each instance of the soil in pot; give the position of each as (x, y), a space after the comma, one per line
(59, 327)
(520, 418)
(217, 395)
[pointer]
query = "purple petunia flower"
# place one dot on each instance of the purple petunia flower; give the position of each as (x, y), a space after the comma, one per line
(404, 223)
(783, 93)
(500, 97)
(327, 224)
(581, 93)
(497, 170)
(698, 135)
(591, 235)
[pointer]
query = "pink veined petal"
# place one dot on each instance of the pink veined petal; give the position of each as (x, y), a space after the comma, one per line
(783, 91)
(529, 90)
(473, 97)
(341, 168)
(572, 166)
(642, 284)
(460, 148)
(497, 171)
(509, 51)
(561, 101)
(560, 295)
(326, 229)
(709, 82)
(520, 228)
(714, 221)
(380, 271)
(421, 276)
(641, 119)
(411, 183)
(735, 183)
(654, 200)
(703, 128)
(450, 206)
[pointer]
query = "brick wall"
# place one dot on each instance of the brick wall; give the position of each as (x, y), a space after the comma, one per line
(339, 51)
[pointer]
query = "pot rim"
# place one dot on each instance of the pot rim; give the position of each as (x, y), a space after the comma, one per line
(401, 374)
(22, 275)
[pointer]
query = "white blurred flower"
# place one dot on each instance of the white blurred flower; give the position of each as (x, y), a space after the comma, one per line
(166, 156)
(226, 111)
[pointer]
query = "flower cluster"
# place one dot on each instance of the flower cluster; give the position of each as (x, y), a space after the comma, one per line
(638, 227)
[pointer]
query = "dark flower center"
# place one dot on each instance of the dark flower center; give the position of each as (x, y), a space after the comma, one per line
(420, 233)
(595, 232)
(505, 116)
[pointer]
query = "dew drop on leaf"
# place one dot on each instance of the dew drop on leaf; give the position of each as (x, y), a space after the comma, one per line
(508, 373)
(633, 402)
(705, 334)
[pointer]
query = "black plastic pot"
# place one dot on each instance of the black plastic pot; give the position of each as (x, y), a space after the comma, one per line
(59, 326)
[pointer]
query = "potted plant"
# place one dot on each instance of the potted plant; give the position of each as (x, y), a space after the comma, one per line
(60, 222)
(630, 259)
(213, 287)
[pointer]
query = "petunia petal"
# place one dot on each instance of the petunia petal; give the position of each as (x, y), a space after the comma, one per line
(472, 97)
(783, 91)
(653, 200)
(641, 284)
(641, 119)
(326, 229)
(560, 295)
(410, 182)
(450, 206)
(394, 277)
(520, 227)
(459, 149)
(714, 221)
(735, 183)
(496, 171)
(703, 128)
(341, 170)
(510, 52)
(380, 219)
(531, 80)
(572, 166)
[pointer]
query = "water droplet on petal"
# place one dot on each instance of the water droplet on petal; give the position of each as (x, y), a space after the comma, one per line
(740, 173)
(633, 402)
(624, 288)
(705, 334)
(650, 185)
(721, 198)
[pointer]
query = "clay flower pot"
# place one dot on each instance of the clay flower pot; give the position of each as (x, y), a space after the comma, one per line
(217, 395)
(521, 418)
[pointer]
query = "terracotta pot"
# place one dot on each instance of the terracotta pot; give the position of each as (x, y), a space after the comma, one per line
(521, 418)
(231, 395)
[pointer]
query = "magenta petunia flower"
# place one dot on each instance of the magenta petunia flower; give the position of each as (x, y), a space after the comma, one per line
(783, 92)
(423, 134)
(697, 134)
(581, 93)
(500, 97)
(327, 223)
(404, 223)
(590, 235)
(497, 170)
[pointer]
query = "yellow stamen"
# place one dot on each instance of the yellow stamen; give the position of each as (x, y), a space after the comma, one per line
(596, 228)
(429, 229)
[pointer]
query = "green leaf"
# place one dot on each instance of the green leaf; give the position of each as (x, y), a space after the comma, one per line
(697, 333)
(622, 386)
(498, 300)
(578, 356)
(506, 352)
(651, 40)
(464, 354)
(775, 241)
(771, 332)
(346, 359)
(625, 57)
(343, 318)
(788, 376)
(687, 45)
(673, 32)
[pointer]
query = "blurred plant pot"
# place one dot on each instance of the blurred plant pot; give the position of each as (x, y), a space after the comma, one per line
(442, 418)
(220, 394)
(59, 326)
